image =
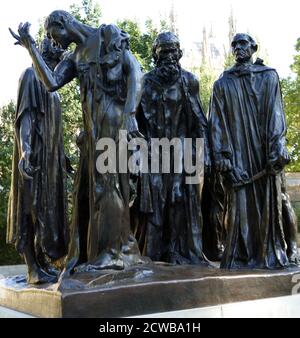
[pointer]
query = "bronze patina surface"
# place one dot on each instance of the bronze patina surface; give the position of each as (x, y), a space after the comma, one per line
(143, 290)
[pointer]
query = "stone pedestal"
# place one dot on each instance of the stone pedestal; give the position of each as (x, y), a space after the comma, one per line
(144, 290)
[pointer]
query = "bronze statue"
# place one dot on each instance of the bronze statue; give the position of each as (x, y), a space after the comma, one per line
(290, 224)
(213, 205)
(169, 225)
(247, 132)
(109, 77)
(37, 209)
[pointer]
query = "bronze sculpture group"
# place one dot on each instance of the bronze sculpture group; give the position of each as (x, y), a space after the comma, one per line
(244, 158)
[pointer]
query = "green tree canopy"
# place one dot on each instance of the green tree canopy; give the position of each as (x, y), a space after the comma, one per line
(7, 114)
(291, 95)
(141, 42)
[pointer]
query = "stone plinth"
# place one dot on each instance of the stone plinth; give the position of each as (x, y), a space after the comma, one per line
(144, 290)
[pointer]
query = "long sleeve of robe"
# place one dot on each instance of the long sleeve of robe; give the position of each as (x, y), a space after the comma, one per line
(247, 126)
(43, 198)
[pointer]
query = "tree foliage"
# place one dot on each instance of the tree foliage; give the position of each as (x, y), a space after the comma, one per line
(207, 78)
(141, 42)
(291, 94)
(7, 113)
(228, 57)
(88, 12)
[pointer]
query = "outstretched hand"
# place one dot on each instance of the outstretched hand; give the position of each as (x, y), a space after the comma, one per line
(24, 38)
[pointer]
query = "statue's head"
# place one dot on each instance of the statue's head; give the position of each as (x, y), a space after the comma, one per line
(166, 48)
(58, 27)
(243, 46)
(50, 52)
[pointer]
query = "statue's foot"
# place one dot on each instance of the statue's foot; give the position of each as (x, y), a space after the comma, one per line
(40, 276)
(106, 261)
(294, 259)
(131, 247)
(220, 252)
(52, 271)
(175, 258)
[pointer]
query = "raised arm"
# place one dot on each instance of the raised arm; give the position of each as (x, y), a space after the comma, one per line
(53, 80)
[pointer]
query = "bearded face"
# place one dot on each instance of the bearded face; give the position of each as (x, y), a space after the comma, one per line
(167, 62)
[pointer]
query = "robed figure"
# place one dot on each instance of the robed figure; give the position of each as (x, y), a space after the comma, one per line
(37, 208)
(247, 130)
(290, 224)
(169, 225)
(109, 78)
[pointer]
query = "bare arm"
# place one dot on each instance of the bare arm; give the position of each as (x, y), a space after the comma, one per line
(53, 80)
(134, 77)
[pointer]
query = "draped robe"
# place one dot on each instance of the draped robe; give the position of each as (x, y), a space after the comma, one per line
(170, 228)
(44, 198)
(247, 126)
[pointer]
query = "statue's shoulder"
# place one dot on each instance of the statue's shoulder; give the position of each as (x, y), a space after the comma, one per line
(27, 78)
(223, 78)
(28, 75)
(190, 81)
(150, 77)
(109, 28)
(227, 73)
(114, 36)
(189, 77)
(269, 73)
(258, 68)
(221, 83)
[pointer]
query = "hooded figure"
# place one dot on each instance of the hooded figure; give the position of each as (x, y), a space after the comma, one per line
(37, 208)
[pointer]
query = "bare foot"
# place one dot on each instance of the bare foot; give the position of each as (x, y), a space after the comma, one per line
(294, 259)
(39, 276)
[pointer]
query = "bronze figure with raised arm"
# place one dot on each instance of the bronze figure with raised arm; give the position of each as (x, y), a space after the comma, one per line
(37, 207)
(109, 77)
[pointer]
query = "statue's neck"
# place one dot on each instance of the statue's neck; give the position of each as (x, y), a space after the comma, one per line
(245, 63)
(82, 32)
